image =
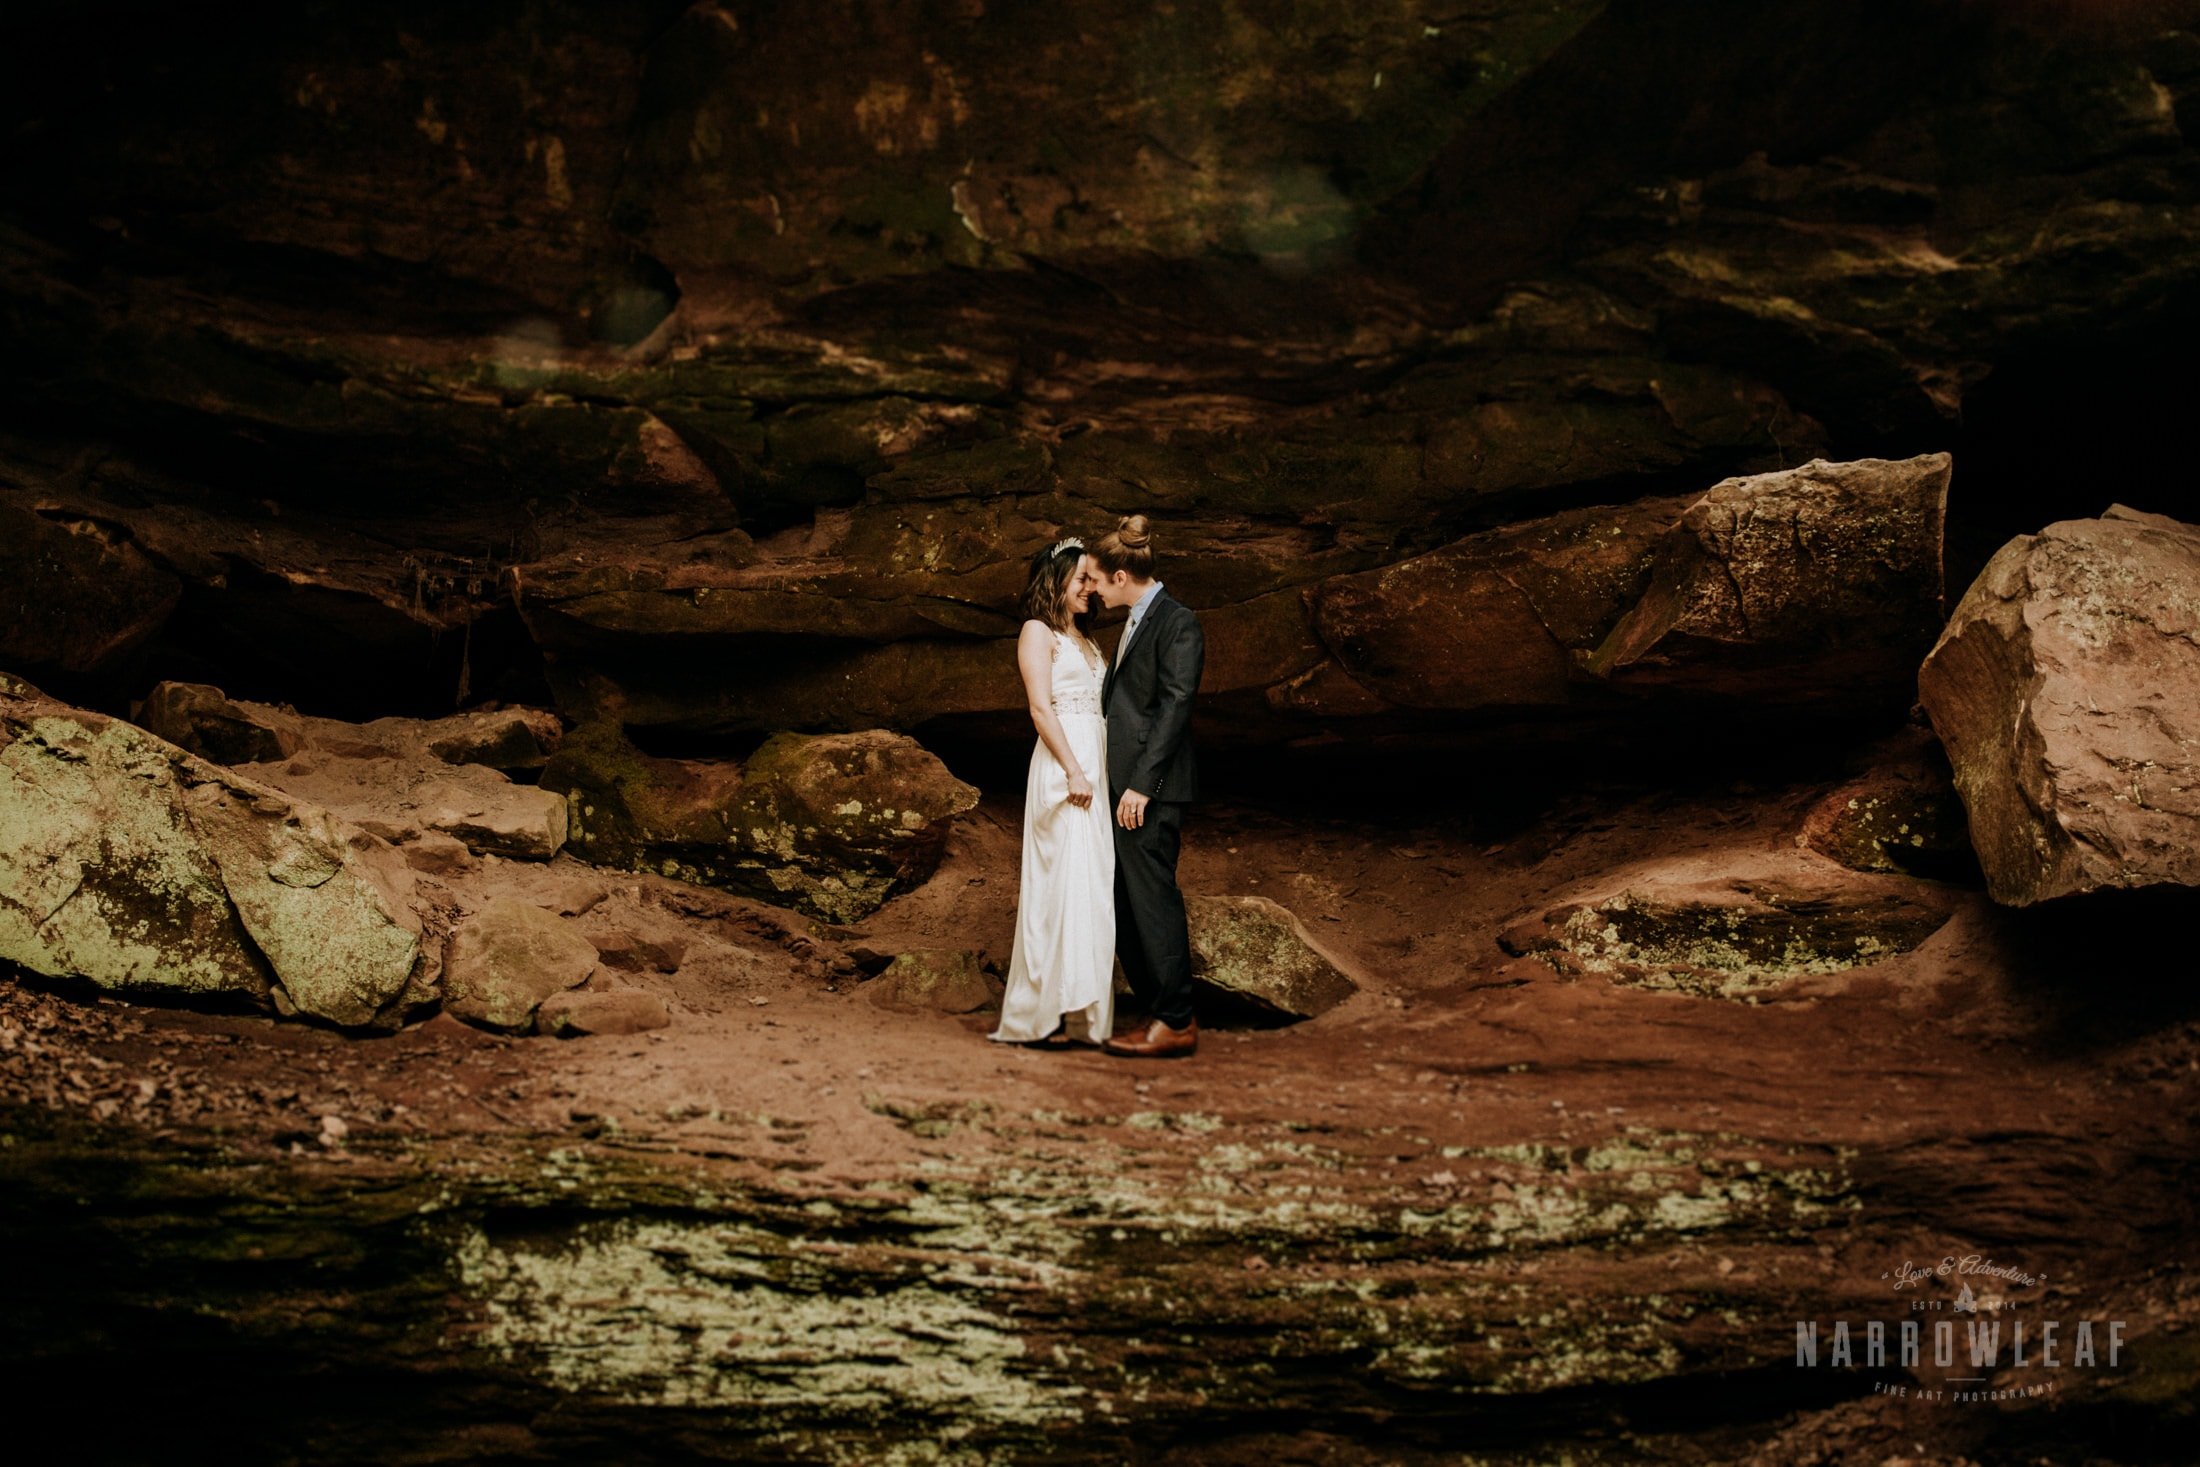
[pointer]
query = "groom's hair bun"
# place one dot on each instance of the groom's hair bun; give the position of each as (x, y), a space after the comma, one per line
(1128, 547)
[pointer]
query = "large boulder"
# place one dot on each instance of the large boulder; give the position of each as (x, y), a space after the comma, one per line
(1817, 583)
(831, 824)
(1251, 953)
(129, 862)
(2066, 690)
(509, 957)
(1496, 619)
(1821, 583)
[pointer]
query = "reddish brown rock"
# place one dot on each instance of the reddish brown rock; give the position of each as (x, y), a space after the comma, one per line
(397, 777)
(501, 738)
(509, 957)
(1820, 583)
(210, 724)
(436, 854)
(401, 799)
(1900, 814)
(2066, 690)
(1496, 619)
(638, 943)
(611, 1011)
(74, 595)
(228, 730)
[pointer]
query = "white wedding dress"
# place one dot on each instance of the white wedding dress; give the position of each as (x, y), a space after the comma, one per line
(1062, 970)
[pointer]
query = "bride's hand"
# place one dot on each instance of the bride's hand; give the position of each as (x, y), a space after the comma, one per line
(1080, 789)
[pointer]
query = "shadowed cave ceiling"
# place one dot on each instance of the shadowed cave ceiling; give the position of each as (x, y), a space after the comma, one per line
(716, 367)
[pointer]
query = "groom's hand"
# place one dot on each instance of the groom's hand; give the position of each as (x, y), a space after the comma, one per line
(1130, 811)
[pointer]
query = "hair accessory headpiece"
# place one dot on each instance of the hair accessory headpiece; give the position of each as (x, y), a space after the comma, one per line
(1067, 542)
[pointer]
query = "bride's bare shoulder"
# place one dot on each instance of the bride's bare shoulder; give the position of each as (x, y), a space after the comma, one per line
(1034, 633)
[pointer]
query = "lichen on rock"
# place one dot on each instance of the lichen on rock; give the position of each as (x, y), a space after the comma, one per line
(943, 980)
(1250, 952)
(128, 862)
(1737, 940)
(830, 824)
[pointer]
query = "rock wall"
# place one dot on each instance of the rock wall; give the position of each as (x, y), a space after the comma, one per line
(727, 364)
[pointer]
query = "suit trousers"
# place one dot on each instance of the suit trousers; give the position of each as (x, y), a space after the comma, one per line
(1151, 937)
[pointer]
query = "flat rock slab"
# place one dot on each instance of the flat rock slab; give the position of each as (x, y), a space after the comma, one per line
(134, 864)
(1248, 950)
(2066, 689)
(397, 777)
(507, 959)
(1733, 940)
(945, 980)
(616, 1011)
(402, 797)
(229, 730)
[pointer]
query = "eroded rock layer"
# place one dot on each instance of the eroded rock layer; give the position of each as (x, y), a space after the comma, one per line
(726, 370)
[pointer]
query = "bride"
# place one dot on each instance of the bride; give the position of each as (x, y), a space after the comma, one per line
(1061, 976)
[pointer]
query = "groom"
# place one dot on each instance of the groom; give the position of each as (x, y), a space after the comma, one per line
(1147, 698)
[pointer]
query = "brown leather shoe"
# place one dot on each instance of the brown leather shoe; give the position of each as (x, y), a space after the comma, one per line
(1158, 1042)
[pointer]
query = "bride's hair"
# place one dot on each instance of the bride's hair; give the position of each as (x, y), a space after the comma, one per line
(1046, 590)
(1127, 547)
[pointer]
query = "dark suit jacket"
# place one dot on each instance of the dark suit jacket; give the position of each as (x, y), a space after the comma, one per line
(1148, 701)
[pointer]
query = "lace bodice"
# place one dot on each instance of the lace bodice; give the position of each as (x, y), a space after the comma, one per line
(1078, 675)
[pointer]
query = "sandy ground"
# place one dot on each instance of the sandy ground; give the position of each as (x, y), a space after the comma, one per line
(1449, 1032)
(1986, 1043)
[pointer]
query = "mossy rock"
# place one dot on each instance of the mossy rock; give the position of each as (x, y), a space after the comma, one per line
(838, 822)
(1249, 952)
(1735, 943)
(946, 980)
(1891, 824)
(142, 868)
(830, 824)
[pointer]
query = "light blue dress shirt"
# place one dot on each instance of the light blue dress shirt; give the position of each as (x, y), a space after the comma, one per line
(1138, 612)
